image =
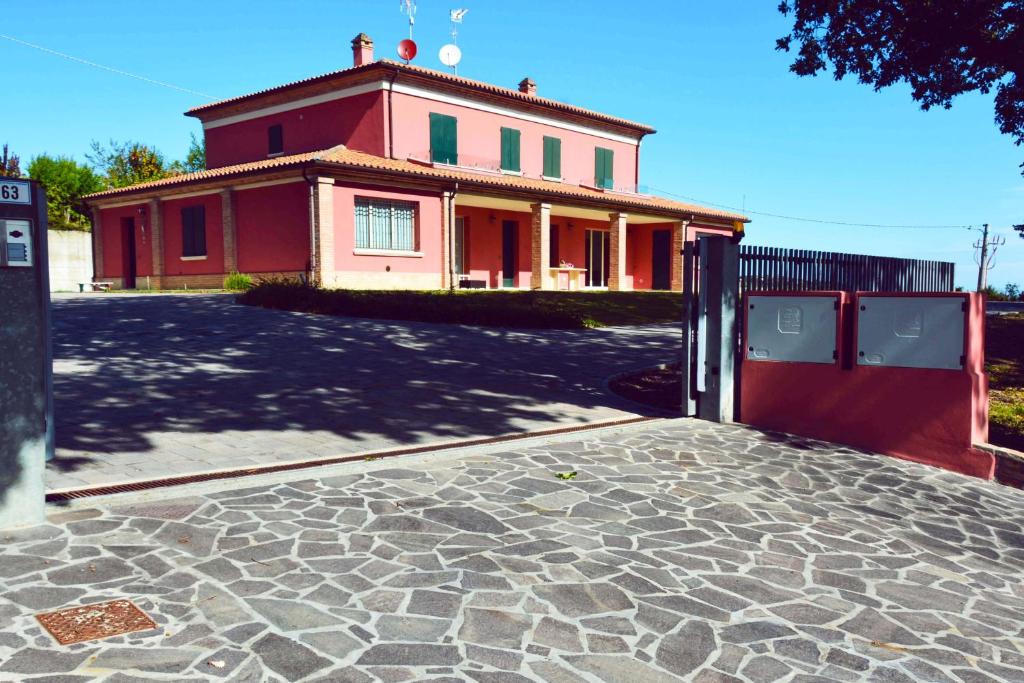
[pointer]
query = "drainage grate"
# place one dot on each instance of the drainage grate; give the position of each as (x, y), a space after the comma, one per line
(106, 490)
(92, 622)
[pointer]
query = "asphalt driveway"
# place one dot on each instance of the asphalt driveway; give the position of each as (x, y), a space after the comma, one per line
(154, 386)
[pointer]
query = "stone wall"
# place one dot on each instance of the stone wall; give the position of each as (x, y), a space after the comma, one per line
(70, 254)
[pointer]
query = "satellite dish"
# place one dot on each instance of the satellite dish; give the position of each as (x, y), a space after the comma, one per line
(450, 55)
(407, 49)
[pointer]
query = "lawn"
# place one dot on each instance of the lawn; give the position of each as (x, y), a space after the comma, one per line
(551, 310)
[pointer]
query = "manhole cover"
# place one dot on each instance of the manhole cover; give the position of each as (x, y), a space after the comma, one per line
(92, 622)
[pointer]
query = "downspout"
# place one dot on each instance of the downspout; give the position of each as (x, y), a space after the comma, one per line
(636, 165)
(391, 126)
(312, 229)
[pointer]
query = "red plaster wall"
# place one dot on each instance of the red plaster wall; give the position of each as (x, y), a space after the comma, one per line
(214, 261)
(272, 228)
(480, 141)
(428, 230)
(110, 220)
(485, 248)
(357, 122)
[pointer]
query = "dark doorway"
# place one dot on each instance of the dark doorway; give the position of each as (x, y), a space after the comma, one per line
(509, 230)
(661, 263)
(128, 253)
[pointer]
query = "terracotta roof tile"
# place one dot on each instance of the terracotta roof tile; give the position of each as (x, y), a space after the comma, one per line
(434, 74)
(351, 159)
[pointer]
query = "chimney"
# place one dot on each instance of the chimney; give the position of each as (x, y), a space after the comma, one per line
(528, 86)
(362, 50)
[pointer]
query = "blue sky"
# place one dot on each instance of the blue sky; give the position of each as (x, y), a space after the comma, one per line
(734, 126)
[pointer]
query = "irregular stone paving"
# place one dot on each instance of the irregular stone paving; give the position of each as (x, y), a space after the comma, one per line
(683, 551)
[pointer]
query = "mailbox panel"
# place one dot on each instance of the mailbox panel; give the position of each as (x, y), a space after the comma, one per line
(911, 332)
(16, 243)
(798, 329)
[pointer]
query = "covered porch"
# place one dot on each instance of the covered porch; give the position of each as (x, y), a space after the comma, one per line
(515, 243)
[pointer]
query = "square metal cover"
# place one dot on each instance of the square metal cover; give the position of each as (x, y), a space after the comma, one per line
(911, 331)
(799, 329)
(95, 621)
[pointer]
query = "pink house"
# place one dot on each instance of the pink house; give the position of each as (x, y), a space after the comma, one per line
(388, 175)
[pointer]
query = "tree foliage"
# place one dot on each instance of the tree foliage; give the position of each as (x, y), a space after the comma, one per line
(9, 164)
(195, 160)
(126, 163)
(66, 182)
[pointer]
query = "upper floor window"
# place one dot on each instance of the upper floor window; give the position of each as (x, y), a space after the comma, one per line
(603, 168)
(444, 139)
(385, 225)
(275, 139)
(510, 149)
(193, 231)
(552, 157)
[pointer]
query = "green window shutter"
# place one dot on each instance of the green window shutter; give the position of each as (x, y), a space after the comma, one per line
(603, 175)
(444, 139)
(552, 157)
(187, 247)
(510, 141)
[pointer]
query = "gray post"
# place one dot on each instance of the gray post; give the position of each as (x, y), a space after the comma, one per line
(721, 271)
(25, 363)
(686, 357)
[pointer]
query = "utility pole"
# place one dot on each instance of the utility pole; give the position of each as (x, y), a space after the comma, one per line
(986, 252)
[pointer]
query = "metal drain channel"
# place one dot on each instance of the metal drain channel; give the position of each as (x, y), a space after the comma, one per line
(106, 490)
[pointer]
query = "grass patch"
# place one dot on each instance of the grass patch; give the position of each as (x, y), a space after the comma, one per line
(238, 282)
(1004, 361)
(544, 310)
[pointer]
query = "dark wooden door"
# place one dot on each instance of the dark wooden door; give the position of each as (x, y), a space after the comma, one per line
(661, 263)
(508, 253)
(128, 253)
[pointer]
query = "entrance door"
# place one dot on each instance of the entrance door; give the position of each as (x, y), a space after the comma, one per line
(597, 258)
(661, 259)
(128, 253)
(509, 230)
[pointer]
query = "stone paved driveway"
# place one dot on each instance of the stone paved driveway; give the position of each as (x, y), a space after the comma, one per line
(155, 386)
(686, 551)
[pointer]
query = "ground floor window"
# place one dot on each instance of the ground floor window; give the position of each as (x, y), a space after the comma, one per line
(597, 258)
(386, 225)
(193, 231)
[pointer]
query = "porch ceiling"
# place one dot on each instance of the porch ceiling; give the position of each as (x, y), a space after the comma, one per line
(523, 206)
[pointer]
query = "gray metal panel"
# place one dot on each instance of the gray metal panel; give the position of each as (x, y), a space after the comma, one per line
(791, 328)
(911, 332)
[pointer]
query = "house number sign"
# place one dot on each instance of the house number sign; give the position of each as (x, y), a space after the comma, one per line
(15, 192)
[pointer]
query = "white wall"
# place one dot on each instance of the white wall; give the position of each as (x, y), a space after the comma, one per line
(70, 254)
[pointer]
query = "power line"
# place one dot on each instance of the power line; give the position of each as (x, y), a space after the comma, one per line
(106, 68)
(821, 221)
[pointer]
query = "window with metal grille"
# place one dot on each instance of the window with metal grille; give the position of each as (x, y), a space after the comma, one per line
(383, 224)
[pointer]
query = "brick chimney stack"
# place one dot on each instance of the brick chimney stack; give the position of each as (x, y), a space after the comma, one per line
(362, 50)
(528, 86)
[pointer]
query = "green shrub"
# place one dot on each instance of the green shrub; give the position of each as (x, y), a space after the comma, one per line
(238, 282)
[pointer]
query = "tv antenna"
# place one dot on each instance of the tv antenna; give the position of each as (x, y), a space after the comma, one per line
(408, 7)
(450, 54)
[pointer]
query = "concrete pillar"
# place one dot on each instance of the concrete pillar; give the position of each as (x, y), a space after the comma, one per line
(323, 231)
(227, 222)
(97, 244)
(447, 238)
(676, 258)
(719, 304)
(540, 247)
(617, 253)
(156, 241)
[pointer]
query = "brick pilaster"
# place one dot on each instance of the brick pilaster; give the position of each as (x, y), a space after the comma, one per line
(227, 223)
(446, 238)
(156, 241)
(323, 231)
(97, 244)
(617, 253)
(676, 259)
(540, 246)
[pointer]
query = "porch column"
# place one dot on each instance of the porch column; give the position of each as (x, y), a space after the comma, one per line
(156, 241)
(447, 240)
(540, 246)
(617, 253)
(227, 223)
(97, 244)
(323, 232)
(676, 255)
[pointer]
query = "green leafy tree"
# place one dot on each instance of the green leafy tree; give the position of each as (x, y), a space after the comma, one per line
(66, 182)
(195, 160)
(941, 48)
(126, 163)
(9, 164)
